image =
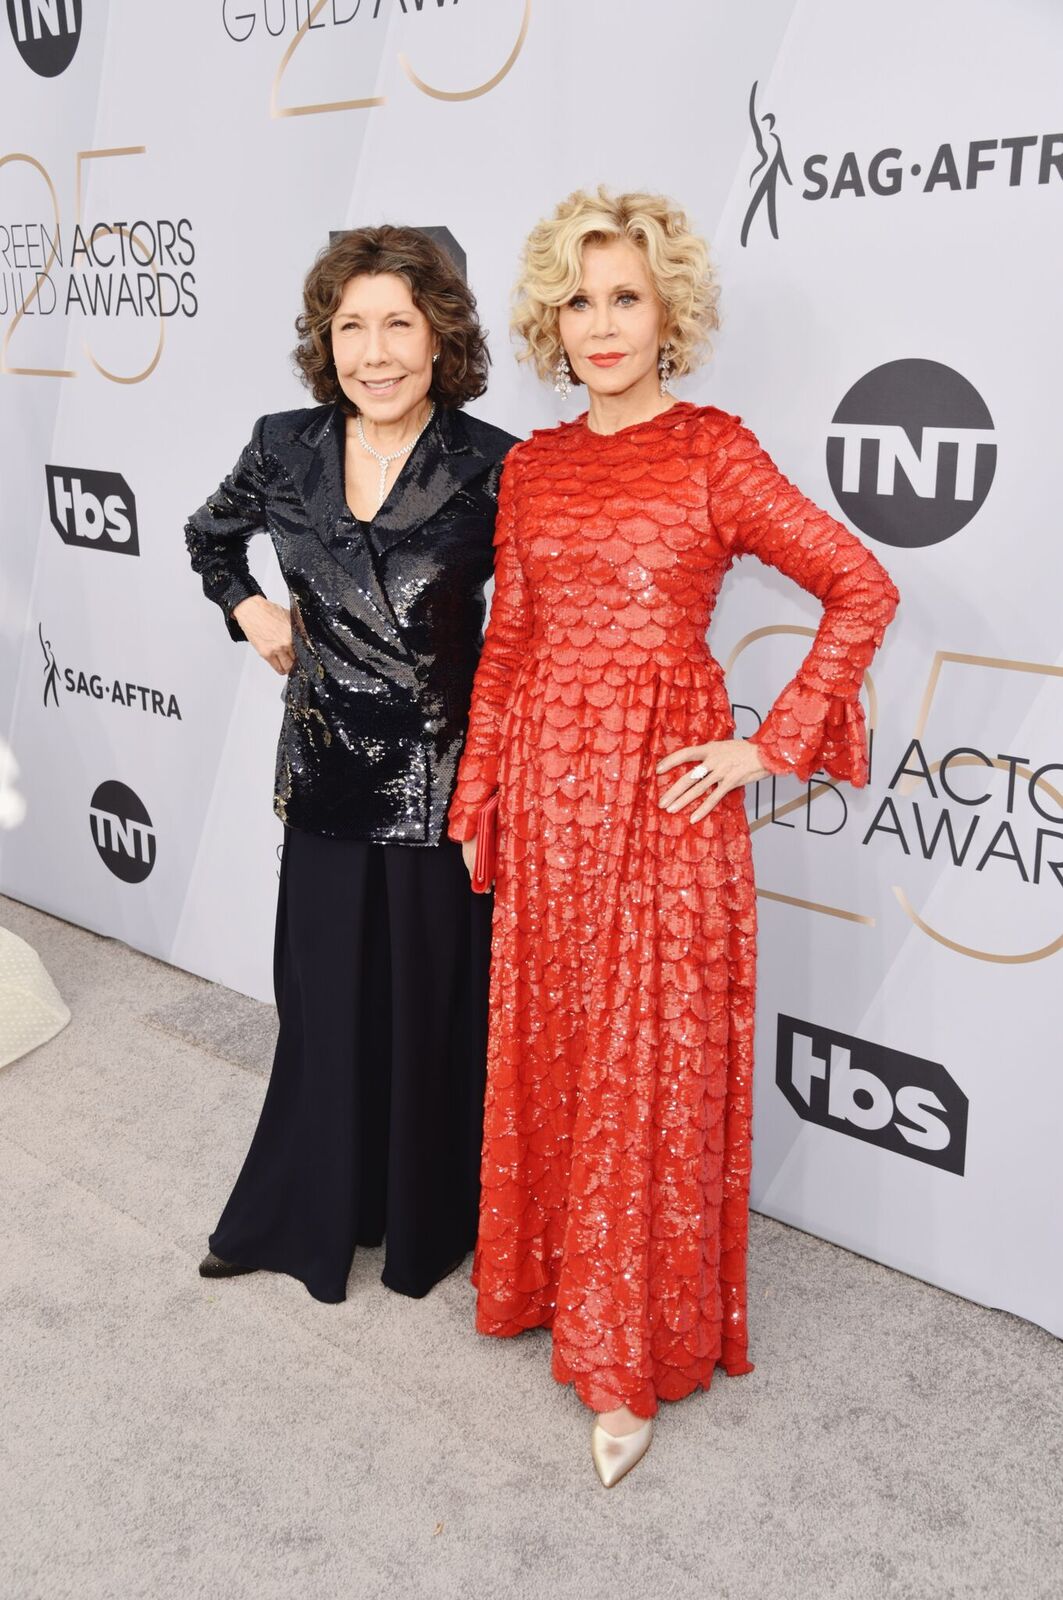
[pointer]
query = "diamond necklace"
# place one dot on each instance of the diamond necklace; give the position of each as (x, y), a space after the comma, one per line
(396, 455)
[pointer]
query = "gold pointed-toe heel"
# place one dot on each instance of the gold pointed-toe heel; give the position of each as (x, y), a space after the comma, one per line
(614, 1457)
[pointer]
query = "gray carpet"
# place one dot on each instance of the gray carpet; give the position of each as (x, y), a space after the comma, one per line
(166, 1437)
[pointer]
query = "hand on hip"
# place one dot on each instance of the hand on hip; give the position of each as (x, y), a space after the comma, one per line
(268, 629)
(712, 770)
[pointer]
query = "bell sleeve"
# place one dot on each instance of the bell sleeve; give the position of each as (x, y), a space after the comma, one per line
(217, 535)
(509, 629)
(817, 722)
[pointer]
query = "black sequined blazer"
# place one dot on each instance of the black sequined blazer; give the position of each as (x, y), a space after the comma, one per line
(387, 615)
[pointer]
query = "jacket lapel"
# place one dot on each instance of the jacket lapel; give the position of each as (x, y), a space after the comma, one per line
(317, 471)
(442, 461)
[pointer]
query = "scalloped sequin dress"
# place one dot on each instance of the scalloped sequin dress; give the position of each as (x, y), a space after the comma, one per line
(616, 1154)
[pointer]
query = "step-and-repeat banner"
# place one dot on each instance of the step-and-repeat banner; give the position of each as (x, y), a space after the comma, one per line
(883, 189)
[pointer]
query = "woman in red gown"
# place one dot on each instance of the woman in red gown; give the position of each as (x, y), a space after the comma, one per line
(617, 1136)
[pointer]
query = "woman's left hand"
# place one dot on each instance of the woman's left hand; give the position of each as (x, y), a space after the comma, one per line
(716, 769)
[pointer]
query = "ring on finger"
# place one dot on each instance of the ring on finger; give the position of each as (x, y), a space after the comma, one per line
(699, 772)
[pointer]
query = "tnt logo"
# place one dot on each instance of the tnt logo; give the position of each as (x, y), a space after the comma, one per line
(95, 510)
(122, 832)
(46, 33)
(901, 1102)
(911, 453)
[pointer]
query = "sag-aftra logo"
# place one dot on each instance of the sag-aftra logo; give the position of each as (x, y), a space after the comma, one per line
(1029, 160)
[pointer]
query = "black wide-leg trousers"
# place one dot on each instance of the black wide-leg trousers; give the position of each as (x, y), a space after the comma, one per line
(373, 1118)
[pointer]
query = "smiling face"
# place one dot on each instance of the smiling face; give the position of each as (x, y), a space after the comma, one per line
(612, 328)
(383, 347)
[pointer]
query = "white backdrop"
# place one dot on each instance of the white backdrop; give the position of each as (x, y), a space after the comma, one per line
(885, 210)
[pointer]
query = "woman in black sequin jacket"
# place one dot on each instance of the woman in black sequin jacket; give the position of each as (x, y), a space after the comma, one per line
(380, 503)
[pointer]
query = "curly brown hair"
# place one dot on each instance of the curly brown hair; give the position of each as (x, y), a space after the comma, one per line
(437, 288)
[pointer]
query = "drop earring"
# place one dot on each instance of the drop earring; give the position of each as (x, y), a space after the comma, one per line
(664, 369)
(563, 377)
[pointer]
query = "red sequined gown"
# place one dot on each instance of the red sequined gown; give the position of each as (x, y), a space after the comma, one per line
(617, 1134)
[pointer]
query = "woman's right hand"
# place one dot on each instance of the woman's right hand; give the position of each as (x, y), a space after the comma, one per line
(468, 853)
(267, 627)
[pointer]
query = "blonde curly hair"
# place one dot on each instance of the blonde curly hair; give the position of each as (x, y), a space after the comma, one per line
(677, 259)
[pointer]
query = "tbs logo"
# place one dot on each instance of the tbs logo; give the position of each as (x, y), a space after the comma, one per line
(900, 1102)
(95, 510)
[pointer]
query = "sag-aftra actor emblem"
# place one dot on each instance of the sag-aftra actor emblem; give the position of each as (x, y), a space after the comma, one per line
(770, 167)
(122, 831)
(911, 453)
(95, 510)
(46, 33)
(901, 1102)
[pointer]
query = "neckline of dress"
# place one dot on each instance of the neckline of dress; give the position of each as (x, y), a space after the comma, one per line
(681, 407)
(431, 427)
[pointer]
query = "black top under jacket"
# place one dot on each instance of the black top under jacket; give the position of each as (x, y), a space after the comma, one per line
(387, 615)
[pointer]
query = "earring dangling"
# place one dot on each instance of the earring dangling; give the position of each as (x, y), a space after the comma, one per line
(664, 368)
(563, 377)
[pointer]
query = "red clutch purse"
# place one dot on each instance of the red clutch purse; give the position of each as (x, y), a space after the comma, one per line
(483, 871)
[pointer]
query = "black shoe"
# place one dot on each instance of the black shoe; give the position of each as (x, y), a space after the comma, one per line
(213, 1266)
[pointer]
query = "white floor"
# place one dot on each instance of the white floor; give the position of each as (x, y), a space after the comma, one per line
(169, 1437)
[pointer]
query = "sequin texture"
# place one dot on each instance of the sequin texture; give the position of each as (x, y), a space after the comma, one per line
(387, 615)
(617, 1135)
